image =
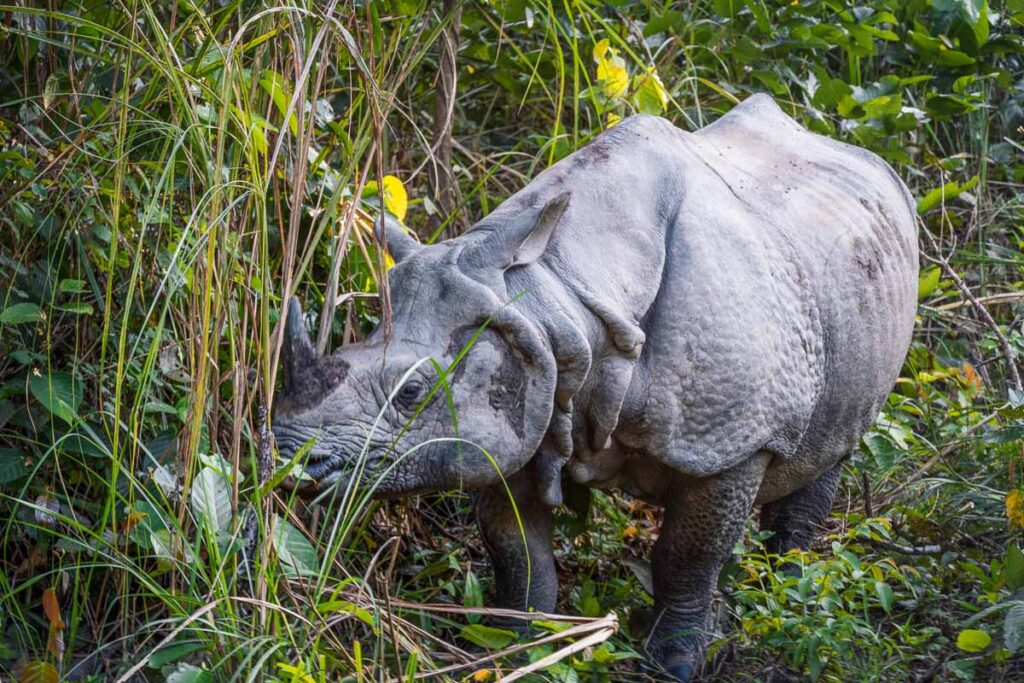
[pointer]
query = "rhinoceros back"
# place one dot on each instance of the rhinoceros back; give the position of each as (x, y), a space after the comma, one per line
(788, 298)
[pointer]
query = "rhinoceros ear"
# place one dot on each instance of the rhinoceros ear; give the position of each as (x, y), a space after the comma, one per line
(400, 243)
(527, 239)
(297, 349)
(518, 242)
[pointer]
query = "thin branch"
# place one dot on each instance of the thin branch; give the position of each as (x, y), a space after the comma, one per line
(983, 313)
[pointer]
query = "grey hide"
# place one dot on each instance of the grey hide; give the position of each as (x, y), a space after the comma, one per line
(705, 320)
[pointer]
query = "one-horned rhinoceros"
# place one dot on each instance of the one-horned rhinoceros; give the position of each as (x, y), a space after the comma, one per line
(708, 321)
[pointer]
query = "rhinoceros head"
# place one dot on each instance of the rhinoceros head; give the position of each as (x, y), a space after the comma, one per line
(460, 390)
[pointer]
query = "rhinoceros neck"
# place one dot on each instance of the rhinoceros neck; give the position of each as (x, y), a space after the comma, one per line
(600, 275)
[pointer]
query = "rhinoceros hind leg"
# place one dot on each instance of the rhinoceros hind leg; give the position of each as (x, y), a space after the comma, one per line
(797, 518)
(519, 585)
(704, 517)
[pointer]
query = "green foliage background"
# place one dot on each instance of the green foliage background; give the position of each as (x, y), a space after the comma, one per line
(171, 171)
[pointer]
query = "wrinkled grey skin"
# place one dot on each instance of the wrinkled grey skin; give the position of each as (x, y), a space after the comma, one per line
(708, 321)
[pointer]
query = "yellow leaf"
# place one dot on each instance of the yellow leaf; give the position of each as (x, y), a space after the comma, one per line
(1015, 508)
(483, 675)
(389, 262)
(611, 120)
(50, 605)
(612, 74)
(600, 50)
(39, 672)
(396, 200)
(970, 377)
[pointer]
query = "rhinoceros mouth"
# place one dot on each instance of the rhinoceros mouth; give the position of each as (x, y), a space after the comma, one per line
(327, 469)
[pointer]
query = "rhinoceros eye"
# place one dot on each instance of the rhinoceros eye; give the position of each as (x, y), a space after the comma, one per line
(409, 394)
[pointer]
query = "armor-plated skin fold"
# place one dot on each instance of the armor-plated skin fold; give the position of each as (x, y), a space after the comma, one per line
(705, 320)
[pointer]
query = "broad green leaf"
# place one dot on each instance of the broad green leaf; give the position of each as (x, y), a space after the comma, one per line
(1013, 628)
(727, 8)
(650, 96)
(60, 393)
(946, 192)
(358, 612)
(69, 286)
(275, 86)
(1013, 568)
(189, 673)
(12, 465)
(487, 636)
(211, 499)
(169, 548)
(973, 640)
(172, 653)
(885, 595)
(297, 554)
(25, 312)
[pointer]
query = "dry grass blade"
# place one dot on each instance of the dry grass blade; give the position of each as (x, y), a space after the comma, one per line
(609, 624)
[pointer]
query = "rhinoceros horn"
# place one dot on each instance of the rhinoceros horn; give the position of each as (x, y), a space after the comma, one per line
(297, 350)
(400, 244)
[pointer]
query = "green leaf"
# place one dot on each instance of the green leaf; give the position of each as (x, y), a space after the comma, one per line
(669, 19)
(973, 640)
(946, 192)
(172, 653)
(188, 673)
(487, 636)
(12, 465)
(360, 613)
(1013, 568)
(77, 307)
(650, 96)
(69, 286)
(277, 88)
(928, 282)
(211, 499)
(297, 554)
(60, 393)
(1013, 628)
(885, 595)
(727, 8)
(25, 312)
(830, 92)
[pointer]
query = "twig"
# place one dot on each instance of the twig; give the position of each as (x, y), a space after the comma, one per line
(567, 651)
(866, 492)
(923, 469)
(1001, 298)
(331, 299)
(986, 317)
(602, 628)
(439, 172)
(909, 549)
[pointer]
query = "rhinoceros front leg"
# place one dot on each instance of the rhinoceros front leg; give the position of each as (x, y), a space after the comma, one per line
(523, 561)
(704, 517)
